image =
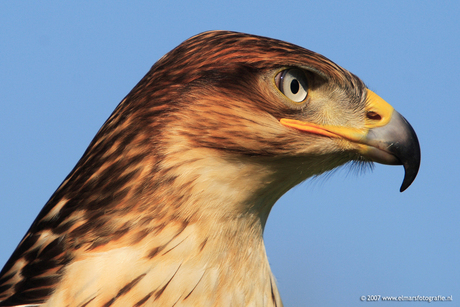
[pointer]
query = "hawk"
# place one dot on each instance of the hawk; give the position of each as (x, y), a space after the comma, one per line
(168, 204)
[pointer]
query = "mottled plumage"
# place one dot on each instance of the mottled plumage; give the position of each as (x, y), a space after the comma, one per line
(168, 204)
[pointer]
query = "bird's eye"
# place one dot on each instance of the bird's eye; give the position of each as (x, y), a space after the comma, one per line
(293, 83)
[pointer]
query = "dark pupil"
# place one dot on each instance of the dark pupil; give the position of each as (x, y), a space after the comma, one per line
(295, 86)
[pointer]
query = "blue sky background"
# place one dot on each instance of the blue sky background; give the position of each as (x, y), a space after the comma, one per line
(64, 67)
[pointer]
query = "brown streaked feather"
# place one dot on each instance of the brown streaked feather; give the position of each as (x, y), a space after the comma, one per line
(168, 203)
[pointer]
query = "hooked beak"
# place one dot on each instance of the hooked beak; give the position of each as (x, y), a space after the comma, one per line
(387, 137)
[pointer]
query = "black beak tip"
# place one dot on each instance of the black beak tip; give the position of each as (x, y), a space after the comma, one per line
(409, 177)
(411, 158)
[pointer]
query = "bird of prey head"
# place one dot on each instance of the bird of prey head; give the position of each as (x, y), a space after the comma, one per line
(168, 204)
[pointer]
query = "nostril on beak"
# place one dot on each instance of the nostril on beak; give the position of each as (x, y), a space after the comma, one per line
(373, 115)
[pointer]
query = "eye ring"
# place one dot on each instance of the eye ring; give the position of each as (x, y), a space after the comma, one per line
(293, 84)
